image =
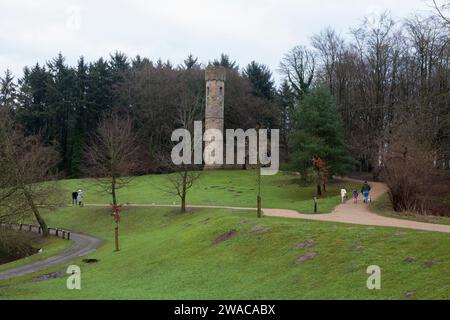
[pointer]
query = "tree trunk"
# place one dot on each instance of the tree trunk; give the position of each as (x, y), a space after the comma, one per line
(113, 191)
(183, 203)
(183, 192)
(116, 236)
(319, 189)
(36, 212)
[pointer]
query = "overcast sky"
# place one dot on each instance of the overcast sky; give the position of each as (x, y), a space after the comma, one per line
(262, 30)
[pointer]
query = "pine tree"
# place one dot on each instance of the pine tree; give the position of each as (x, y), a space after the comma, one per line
(8, 90)
(318, 133)
(261, 78)
(190, 62)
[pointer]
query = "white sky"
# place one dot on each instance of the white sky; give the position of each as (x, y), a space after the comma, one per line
(261, 30)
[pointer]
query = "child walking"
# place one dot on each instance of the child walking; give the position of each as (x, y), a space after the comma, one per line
(355, 196)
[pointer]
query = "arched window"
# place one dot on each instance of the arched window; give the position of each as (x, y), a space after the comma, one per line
(221, 91)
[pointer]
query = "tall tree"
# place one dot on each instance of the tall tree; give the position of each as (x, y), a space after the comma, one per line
(111, 154)
(8, 90)
(261, 78)
(29, 163)
(318, 133)
(298, 66)
(226, 62)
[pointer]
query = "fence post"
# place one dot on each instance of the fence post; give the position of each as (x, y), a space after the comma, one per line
(64, 234)
(315, 204)
(68, 235)
(56, 232)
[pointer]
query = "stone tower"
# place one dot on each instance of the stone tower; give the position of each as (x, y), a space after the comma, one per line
(215, 91)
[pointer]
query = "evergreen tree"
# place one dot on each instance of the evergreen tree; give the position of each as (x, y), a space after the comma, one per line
(318, 134)
(8, 90)
(261, 78)
(226, 62)
(190, 62)
(62, 107)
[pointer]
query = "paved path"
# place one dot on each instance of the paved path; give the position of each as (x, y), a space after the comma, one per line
(83, 245)
(347, 212)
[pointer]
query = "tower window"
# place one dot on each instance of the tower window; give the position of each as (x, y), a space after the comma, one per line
(220, 90)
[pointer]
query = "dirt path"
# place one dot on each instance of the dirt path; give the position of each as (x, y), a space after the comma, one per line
(347, 212)
(83, 245)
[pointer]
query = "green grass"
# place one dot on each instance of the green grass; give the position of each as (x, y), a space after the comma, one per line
(222, 187)
(168, 255)
(383, 206)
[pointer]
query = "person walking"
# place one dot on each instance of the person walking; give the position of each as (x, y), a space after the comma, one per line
(355, 196)
(343, 195)
(80, 198)
(74, 198)
(365, 190)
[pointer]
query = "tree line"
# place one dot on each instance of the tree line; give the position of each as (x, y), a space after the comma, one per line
(360, 101)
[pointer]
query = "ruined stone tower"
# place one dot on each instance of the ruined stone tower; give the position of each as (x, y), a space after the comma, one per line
(215, 91)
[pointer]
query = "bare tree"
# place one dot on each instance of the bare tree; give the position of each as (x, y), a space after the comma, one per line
(190, 101)
(298, 65)
(111, 156)
(27, 172)
(441, 10)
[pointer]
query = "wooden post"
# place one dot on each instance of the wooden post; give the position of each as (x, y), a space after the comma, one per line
(116, 233)
(30, 227)
(315, 204)
(20, 227)
(56, 232)
(258, 198)
(68, 235)
(64, 234)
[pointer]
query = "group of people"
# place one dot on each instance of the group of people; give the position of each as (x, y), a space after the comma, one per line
(77, 198)
(365, 191)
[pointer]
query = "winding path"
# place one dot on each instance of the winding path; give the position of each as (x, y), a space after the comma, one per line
(83, 245)
(347, 212)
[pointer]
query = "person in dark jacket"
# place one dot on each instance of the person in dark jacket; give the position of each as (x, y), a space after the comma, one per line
(74, 198)
(365, 189)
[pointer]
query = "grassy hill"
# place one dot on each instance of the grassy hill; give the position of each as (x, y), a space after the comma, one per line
(168, 255)
(222, 187)
(230, 254)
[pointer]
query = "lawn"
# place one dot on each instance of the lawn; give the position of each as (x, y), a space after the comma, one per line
(221, 187)
(168, 255)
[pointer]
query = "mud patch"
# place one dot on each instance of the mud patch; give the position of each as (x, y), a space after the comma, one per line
(429, 263)
(259, 229)
(52, 275)
(206, 221)
(225, 236)
(90, 261)
(410, 259)
(400, 233)
(305, 244)
(306, 257)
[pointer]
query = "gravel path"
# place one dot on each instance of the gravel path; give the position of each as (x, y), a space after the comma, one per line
(347, 212)
(83, 245)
